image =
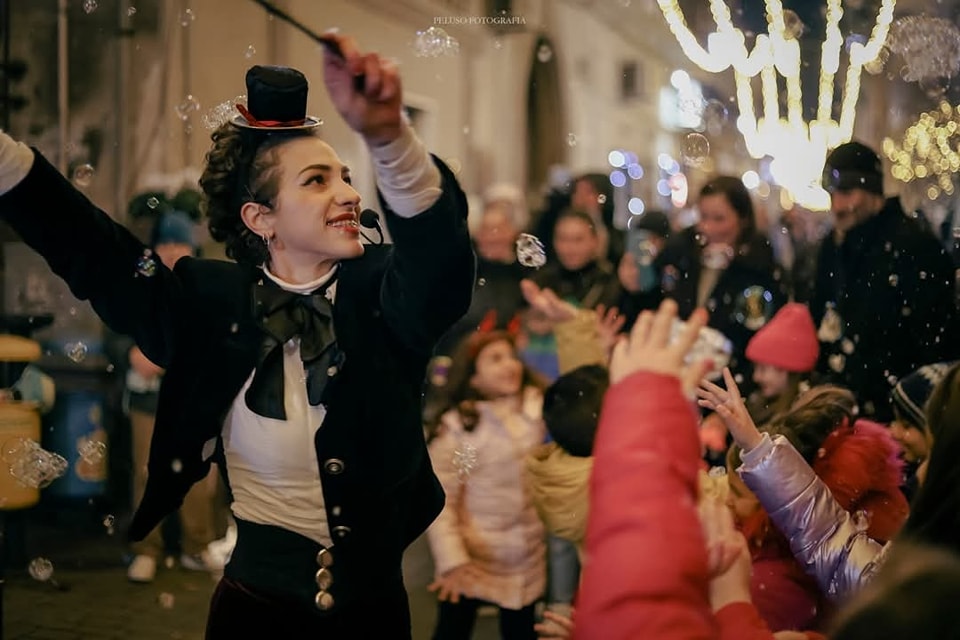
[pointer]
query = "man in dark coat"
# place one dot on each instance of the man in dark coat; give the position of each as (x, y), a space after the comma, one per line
(883, 298)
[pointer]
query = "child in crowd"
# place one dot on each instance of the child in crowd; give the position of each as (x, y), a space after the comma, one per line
(783, 352)
(909, 427)
(488, 542)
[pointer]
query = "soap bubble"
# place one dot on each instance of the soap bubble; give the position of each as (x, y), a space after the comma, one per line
(530, 251)
(76, 351)
(41, 569)
(187, 17)
(695, 150)
(188, 106)
(929, 47)
(83, 175)
(147, 265)
(544, 53)
(89, 6)
(92, 451)
(434, 43)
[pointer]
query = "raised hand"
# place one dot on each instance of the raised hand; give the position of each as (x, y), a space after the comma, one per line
(729, 405)
(547, 302)
(728, 557)
(609, 324)
(375, 111)
(648, 348)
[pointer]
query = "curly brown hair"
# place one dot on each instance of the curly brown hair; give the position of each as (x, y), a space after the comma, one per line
(241, 167)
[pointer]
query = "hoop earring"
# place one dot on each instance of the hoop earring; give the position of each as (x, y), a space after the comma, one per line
(266, 240)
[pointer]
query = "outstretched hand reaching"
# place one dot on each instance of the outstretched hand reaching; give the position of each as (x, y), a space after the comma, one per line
(730, 406)
(648, 348)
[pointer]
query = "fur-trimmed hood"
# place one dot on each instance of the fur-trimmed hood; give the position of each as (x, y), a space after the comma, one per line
(861, 466)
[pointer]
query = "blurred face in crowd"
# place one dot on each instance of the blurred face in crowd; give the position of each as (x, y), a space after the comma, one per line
(741, 501)
(719, 222)
(170, 252)
(498, 371)
(575, 242)
(850, 207)
(496, 235)
(771, 380)
(585, 198)
(913, 441)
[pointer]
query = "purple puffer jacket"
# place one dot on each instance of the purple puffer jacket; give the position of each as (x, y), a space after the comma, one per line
(824, 538)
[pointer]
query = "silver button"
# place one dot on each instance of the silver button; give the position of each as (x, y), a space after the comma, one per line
(324, 579)
(333, 466)
(335, 512)
(341, 531)
(332, 371)
(324, 601)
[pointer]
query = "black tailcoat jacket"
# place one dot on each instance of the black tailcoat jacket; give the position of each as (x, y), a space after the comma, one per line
(197, 322)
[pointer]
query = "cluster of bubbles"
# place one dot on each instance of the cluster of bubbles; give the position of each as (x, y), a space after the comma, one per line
(465, 460)
(530, 251)
(41, 569)
(435, 43)
(710, 345)
(83, 175)
(224, 111)
(31, 465)
(92, 451)
(189, 105)
(930, 49)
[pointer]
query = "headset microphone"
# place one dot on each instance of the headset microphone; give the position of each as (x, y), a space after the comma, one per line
(371, 220)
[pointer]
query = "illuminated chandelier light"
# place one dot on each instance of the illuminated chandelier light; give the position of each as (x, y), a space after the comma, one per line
(798, 148)
(928, 151)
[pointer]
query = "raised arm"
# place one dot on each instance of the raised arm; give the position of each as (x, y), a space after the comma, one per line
(822, 535)
(129, 288)
(429, 278)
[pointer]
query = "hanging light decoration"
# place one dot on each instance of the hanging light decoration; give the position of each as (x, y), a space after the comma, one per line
(928, 151)
(798, 148)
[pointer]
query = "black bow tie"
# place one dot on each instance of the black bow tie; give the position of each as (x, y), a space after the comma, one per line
(284, 315)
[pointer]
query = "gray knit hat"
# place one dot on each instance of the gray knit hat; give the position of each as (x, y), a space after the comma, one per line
(912, 392)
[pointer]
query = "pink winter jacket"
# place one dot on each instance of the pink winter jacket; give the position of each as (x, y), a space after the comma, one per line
(489, 518)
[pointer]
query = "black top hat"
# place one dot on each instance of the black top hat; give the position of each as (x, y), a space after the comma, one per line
(853, 166)
(276, 100)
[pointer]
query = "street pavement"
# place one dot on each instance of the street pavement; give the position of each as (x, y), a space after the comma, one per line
(89, 596)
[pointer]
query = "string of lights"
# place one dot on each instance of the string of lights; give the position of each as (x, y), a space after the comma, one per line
(798, 148)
